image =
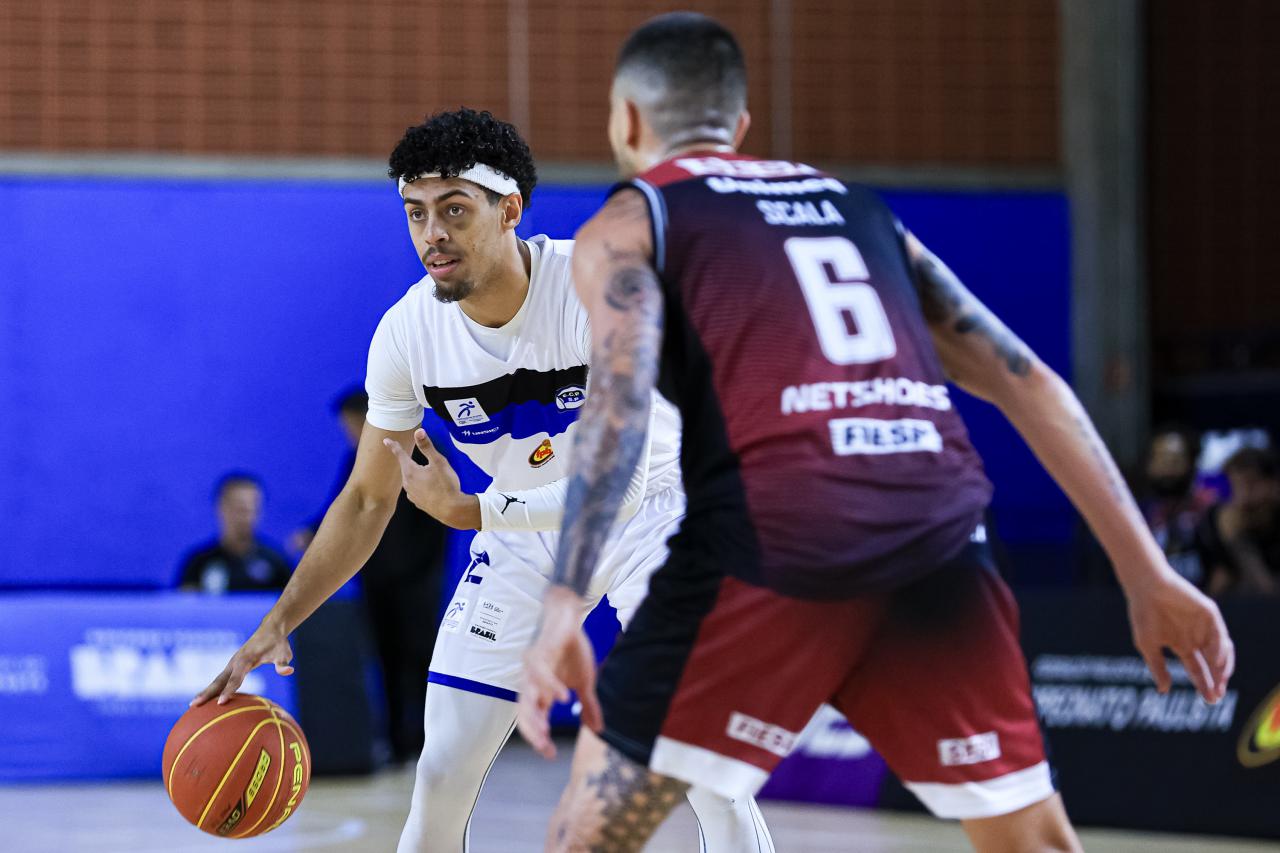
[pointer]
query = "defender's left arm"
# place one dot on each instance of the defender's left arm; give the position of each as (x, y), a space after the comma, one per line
(613, 272)
(981, 355)
(614, 275)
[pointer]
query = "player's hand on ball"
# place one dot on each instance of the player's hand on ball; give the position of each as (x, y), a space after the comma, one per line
(1172, 614)
(267, 645)
(559, 660)
(434, 487)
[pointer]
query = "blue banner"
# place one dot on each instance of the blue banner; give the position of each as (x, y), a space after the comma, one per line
(91, 684)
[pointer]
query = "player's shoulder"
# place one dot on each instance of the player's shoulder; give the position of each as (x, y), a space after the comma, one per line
(555, 250)
(555, 262)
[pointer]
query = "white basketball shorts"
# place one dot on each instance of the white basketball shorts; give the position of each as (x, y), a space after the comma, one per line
(495, 610)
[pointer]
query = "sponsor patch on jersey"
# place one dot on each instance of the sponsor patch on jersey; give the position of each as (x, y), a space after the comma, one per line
(466, 411)
(975, 749)
(454, 616)
(488, 620)
(571, 397)
(766, 736)
(542, 454)
(875, 437)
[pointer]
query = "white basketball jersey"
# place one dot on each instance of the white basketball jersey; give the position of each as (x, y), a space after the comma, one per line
(509, 397)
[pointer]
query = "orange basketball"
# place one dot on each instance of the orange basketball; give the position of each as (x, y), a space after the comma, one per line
(238, 769)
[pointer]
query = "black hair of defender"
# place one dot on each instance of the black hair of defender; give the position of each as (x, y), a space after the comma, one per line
(454, 141)
(698, 64)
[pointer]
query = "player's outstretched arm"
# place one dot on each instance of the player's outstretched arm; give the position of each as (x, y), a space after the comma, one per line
(613, 272)
(351, 529)
(981, 355)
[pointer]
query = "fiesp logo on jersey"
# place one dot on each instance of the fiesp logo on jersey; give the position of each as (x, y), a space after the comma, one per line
(571, 397)
(542, 454)
(1260, 740)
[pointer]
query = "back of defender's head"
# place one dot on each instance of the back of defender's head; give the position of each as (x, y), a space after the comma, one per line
(451, 143)
(685, 72)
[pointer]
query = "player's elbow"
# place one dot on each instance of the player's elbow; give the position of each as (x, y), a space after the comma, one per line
(1028, 389)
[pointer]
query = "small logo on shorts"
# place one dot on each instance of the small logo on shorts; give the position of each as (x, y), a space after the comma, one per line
(542, 454)
(758, 733)
(454, 616)
(974, 749)
(484, 633)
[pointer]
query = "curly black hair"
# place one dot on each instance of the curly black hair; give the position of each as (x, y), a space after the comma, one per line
(454, 141)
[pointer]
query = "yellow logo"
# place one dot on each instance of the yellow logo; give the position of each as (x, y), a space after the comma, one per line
(259, 773)
(542, 454)
(1260, 740)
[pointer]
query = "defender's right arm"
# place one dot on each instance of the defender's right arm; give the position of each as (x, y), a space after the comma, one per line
(981, 355)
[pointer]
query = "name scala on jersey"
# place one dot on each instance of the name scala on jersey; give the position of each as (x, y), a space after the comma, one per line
(883, 391)
(571, 397)
(793, 213)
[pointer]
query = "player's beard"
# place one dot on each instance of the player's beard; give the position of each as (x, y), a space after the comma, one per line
(453, 292)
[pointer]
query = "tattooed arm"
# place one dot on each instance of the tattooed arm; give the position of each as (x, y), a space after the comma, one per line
(981, 355)
(613, 271)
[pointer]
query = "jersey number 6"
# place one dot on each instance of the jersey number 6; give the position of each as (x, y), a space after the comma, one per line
(847, 314)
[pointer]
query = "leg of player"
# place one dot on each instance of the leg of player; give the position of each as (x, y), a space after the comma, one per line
(1039, 828)
(729, 824)
(611, 802)
(725, 825)
(464, 733)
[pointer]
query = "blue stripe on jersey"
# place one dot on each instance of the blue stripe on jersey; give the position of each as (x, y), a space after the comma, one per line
(472, 686)
(519, 421)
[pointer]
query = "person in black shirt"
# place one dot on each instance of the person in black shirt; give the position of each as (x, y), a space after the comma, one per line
(237, 561)
(401, 584)
(1239, 539)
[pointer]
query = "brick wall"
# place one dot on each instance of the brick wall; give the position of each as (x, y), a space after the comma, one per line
(951, 82)
(1213, 91)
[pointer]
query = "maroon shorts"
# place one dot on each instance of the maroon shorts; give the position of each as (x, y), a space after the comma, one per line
(715, 678)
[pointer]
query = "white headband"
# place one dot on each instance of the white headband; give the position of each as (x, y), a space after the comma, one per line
(486, 176)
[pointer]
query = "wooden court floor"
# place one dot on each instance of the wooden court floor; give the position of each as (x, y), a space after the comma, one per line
(360, 815)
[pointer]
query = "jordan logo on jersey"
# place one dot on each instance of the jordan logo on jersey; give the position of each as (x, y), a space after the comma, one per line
(542, 454)
(466, 411)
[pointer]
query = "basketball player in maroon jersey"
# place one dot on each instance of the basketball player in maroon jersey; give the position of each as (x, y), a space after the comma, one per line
(832, 549)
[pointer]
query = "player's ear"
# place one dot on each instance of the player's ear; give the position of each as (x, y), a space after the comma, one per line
(511, 208)
(740, 132)
(635, 124)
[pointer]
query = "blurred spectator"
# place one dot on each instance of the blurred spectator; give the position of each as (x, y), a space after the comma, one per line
(1240, 538)
(1171, 503)
(237, 561)
(401, 583)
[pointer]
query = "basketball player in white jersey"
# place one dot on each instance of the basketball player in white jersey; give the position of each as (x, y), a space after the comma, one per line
(494, 341)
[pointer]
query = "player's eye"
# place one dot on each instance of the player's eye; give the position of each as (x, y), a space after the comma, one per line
(456, 210)
(416, 215)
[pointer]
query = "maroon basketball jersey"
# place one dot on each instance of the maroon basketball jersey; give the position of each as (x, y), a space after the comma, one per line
(822, 455)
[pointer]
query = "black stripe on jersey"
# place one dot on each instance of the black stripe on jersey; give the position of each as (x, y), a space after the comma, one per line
(522, 386)
(657, 217)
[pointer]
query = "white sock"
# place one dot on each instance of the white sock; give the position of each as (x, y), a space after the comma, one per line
(729, 826)
(464, 733)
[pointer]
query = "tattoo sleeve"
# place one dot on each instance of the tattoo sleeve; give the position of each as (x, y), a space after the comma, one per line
(613, 428)
(946, 302)
(621, 807)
